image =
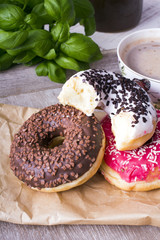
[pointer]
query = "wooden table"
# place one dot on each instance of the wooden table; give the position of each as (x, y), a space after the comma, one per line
(21, 86)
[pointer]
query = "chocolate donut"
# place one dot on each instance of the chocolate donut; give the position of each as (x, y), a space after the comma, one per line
(62, 167)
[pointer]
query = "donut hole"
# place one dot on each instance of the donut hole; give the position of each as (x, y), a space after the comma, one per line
(52, 138)
(56, 141)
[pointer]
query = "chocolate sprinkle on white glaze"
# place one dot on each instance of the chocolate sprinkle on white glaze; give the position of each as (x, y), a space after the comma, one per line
(119, 93)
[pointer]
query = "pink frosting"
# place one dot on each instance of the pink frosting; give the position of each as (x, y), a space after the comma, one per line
(134, 165)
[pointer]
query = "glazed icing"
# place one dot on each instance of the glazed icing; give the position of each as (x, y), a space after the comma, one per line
(123, 99)
(134, 165)
(116, 94)
(35, 162)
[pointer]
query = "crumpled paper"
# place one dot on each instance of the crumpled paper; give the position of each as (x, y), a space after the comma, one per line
(95, 202)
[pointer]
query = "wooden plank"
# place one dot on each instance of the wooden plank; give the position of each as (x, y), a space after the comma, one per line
(21, 79)
(21, 86)
(80, 232)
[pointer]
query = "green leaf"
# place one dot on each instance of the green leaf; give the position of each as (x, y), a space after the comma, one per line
(50, 55)
(39, 41)
(42, 69)
(9, 40)
(5, 61)
(25, 2)
(33, 3)
(56, 73)
(52, 70)
(89, 25)
(60, 10)
(19, 3)
(60, 32)
(85, 15)
(34, 61)
(42, 15)
(38, 17)
(2, 51)
(32, 20)
(70, 63)
(11, 17)
(83, 8)
(24, 57)
(81, 48)
(83, 65)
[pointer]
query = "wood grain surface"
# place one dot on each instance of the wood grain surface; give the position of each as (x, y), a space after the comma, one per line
(21, 86)
(9, 231)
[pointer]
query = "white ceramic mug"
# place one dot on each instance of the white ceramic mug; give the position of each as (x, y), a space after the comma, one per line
(153, 85)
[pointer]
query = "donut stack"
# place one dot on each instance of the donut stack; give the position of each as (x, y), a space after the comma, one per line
(129, 128)
(132, 154)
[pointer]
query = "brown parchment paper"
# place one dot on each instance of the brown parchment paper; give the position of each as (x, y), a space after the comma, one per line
(95, 202)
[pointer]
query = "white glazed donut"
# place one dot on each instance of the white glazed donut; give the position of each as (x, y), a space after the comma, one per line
(132, 114)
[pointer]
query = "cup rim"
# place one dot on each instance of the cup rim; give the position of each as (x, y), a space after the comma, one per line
(120, 59)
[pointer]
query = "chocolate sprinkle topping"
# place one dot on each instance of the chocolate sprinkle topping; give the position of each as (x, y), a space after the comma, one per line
(119, 92)
(38, 165)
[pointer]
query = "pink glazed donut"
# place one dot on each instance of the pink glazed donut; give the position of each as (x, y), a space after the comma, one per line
(134, 170)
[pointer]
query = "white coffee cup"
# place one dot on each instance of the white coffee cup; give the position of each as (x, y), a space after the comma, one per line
(153, 85)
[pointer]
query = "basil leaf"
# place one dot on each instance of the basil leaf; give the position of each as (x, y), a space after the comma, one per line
(11, 17)
(42, 69)
(32, 20)
(89, 25)
(19, 3)
(83, 65)
(60, 32)
(34, 61)
(70, 63)
(42, 16)
(32, 3)
(60, 10)
(81, 48)
(56, 73)
(25, 2)
(83, 8)
(9, 40)
(39, 41)
(38, 17)
(85, 15)
(50, 55)
(52, 70)
(5, 61)
(16, 51)
(24, 57)
(2, 52)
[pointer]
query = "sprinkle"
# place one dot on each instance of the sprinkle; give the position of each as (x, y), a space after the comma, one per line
(40, 165)
(137, 163)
